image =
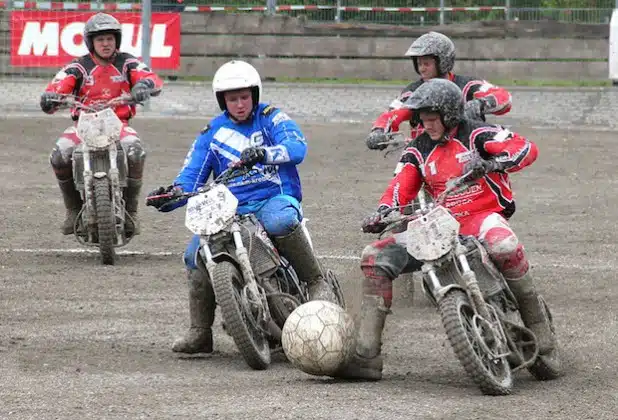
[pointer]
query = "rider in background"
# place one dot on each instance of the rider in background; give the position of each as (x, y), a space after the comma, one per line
(101, 75)
(257, 135)
(433, 55)
(450, 146)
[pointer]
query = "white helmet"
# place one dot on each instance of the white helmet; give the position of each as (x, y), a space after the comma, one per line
(233, 75)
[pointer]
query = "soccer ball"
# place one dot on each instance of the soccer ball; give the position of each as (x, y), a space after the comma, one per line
(317, 337)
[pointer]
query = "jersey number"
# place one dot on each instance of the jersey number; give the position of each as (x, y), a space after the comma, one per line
(432, 168)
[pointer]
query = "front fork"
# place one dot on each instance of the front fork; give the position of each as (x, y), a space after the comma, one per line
(467, 274)
(252, 292)
(90, 217)
(486, 317)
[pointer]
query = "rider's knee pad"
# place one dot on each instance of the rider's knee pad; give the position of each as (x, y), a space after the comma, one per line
(384, 257)
(136, 156)
(506, 251)
(281, 222)
(60, 161)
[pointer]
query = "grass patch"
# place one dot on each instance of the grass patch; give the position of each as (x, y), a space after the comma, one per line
(350, 81)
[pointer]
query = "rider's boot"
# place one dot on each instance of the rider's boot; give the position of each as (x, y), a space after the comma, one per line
(202, 315)
(532, 311)
(296, 248)
(366, 361)
(73, 204)
(131, 199)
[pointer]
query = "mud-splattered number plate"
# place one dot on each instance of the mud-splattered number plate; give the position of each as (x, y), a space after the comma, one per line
(432, 236)
(99, 129)
(210, 212)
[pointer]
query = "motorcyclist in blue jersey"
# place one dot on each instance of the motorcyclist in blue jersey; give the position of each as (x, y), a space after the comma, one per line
(264, 137)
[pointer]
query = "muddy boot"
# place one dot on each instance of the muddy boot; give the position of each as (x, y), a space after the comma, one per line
(202, 313)
(296, 248)
(131, 198)
(72, 202)
(533, 312)
(366, 361)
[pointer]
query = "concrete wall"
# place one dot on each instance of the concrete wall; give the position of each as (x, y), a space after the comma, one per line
(283, 46)
(288, 47)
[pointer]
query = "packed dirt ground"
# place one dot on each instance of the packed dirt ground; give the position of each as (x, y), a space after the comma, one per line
(80, 340)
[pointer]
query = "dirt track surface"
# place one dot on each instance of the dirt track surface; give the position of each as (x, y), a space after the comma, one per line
(543, 107)
(83, 341)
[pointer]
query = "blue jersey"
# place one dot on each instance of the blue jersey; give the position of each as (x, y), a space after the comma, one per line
(222, 142)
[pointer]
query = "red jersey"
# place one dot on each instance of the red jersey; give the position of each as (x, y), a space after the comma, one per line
(471, 89)
(427, 161)
(94, 83)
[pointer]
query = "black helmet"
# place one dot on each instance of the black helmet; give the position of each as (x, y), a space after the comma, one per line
(441, 96)
(99, 24)
(437, 45)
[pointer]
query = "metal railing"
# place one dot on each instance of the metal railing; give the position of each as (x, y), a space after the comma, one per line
(407, 12)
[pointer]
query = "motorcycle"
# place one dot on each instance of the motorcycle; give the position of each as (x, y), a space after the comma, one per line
(478, 310)
(255, 287)
(100, 175)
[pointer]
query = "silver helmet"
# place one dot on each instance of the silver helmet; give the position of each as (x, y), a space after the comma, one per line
(441, 96)
(102, 23)
(437, 45)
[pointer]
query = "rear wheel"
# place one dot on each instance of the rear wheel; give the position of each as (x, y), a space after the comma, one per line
(331, 278)
(547, 366)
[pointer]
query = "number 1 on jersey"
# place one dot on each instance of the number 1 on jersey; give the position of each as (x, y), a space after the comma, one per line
(432, 168)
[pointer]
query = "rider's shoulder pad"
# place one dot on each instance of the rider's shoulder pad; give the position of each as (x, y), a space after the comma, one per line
(205, 129)
(268, 110)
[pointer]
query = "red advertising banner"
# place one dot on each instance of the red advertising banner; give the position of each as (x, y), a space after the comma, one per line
(54, 38)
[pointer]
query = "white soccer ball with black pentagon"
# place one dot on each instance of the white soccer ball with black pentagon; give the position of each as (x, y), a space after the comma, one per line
(318, 337)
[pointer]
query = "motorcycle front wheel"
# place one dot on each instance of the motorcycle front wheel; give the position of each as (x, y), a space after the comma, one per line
(106, 218)
(470, 344)
(228, 285)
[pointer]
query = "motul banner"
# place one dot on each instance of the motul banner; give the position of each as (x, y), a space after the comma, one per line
(54, 38)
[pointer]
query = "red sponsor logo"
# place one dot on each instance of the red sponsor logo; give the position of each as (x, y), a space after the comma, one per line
(52, 38)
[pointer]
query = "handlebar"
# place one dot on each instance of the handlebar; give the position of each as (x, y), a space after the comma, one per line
(71, 101)
(234, 171)
(396, 140)
(453, 185)
(393, 216)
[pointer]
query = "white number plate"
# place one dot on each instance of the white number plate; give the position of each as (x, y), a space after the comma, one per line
(432, 236)
(211, 212)
(99, 129)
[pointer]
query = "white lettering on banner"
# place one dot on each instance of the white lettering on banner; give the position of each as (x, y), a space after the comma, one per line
(157, 45)
(47, 40)
(67, 39)
(157, 41)
(37, 41)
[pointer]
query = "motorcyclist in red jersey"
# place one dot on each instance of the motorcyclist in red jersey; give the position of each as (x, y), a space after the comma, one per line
(103, 74)
(450, 146)
(433, 55)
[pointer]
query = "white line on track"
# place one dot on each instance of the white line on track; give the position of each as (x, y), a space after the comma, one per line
(46, 251)
(591, 265)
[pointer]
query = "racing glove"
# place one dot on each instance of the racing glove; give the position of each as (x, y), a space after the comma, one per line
(165, 204)
(47, 101)
(481, 167)
(141, 91)
(474, 109)
(252, 155)
(375, 137)
(373, 223)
